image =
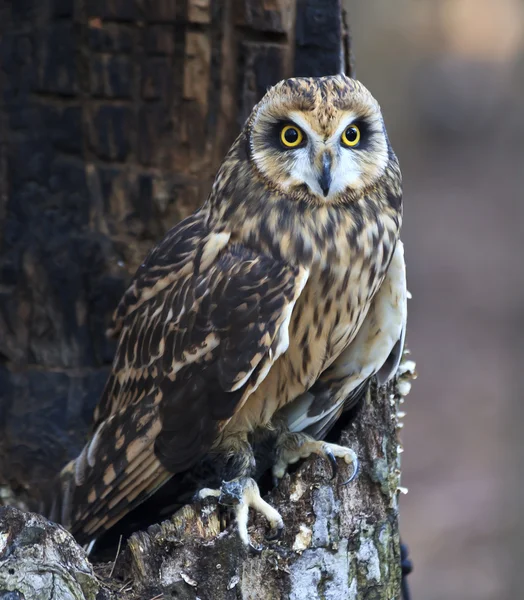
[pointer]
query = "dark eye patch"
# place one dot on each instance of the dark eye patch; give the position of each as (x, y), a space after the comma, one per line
(366, 135)
(271, 136)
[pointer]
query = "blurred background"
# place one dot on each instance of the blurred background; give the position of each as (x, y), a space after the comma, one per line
(449, 75)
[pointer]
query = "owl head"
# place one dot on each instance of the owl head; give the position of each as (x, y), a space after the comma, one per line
(319, 139)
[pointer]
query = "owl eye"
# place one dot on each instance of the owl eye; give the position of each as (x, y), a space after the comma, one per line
(351, 136)
(291, 136)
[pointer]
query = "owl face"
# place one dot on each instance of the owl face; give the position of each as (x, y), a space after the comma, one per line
(319, 139)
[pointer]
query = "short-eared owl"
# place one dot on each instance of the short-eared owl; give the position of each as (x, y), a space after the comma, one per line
(260, 317)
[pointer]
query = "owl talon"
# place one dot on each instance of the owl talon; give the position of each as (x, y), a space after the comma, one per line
(331, 457)
(276, 533)
(256, 550)
(295, 446)
(356, 466)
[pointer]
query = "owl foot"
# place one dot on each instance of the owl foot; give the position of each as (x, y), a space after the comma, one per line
(240, 494)
(294, 446)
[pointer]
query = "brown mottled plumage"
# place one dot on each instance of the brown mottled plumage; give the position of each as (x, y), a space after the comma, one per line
(265, 310)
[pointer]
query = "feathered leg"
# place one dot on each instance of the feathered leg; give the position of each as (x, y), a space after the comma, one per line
(292, 447)
(241, 494)
(239, 490)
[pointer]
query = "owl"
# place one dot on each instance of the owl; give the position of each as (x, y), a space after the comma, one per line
(257, 321)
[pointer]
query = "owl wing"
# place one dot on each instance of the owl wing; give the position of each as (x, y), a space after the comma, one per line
(375, 351)
(200, 327)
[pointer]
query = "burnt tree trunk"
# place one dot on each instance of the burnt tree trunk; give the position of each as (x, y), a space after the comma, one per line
(115, 115)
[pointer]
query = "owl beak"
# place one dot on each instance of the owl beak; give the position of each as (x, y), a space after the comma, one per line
(325, 175)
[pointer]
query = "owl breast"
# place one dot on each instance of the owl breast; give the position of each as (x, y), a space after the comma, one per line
(325, 320)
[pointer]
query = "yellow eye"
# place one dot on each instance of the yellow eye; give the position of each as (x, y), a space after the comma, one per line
(291, 136)
(351, 136)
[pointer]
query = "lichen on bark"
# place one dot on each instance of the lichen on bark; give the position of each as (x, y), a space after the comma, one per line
(40, 560)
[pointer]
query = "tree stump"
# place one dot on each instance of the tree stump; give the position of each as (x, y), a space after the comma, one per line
(340, 543)
(115, 116)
